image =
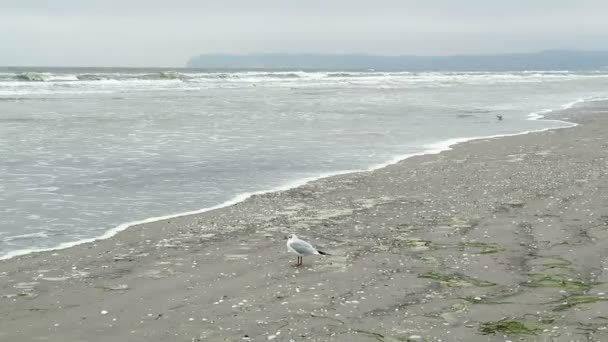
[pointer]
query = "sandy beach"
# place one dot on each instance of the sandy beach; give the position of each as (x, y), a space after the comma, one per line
(497, 239)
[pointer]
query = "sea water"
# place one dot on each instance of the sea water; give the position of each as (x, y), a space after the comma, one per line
(85, 151)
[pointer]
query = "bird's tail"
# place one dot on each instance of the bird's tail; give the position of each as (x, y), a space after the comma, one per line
(323, 253)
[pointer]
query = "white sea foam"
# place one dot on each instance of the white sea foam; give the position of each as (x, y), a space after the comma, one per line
(541, 114)
(38, 235)
(110, 233)
(90, 83)
(448, 144)
(433, 148)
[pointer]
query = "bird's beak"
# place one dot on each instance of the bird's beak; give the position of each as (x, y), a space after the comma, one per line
(286, 237)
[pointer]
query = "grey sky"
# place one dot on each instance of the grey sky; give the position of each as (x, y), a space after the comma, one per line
(167, 33)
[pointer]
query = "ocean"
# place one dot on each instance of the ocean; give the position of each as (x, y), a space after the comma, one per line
(84, 153)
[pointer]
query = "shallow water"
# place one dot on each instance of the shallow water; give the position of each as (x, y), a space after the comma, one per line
(82, 151)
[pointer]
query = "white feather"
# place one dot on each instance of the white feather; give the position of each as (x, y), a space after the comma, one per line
(300, 247)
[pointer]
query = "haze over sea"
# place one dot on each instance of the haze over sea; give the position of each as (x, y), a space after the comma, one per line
(84, 151)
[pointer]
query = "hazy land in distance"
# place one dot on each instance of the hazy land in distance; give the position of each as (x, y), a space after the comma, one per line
(545, 60)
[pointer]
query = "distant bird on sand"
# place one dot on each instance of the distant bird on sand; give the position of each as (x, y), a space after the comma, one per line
(301, 248)
(499, 117)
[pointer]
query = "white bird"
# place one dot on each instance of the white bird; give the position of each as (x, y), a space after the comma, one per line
(301, 248)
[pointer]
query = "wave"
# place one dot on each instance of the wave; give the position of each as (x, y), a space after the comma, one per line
(366, 74)
(90, 77)
(387, 79)
(110, 233)
(44, 77)
(541, 114)
(283, 75)
(171, 75)
(433, 148)
(38, 235)
(30, 76)
(67, 77)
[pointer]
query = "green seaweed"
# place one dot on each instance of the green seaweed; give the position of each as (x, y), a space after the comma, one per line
(544, 280)
(484, 248)
(556, 262)
(507, 326)
(455, 280)
(574, 300)
(417, 243)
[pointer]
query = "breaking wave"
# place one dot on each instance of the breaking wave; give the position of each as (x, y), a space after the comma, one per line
(35, 76)
(43, 77)
(89, 81)
(30, 76)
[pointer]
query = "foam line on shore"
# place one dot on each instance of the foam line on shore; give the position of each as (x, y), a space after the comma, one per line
(433, 148)
(540, 115)
(448, 144)
(236, 199)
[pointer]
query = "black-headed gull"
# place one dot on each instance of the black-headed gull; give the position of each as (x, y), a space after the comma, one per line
(301, 248)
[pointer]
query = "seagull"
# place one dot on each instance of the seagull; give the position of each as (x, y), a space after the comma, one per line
(301, 248)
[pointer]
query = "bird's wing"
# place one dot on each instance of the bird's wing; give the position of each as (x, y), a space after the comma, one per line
(302, 247)
(290, 248)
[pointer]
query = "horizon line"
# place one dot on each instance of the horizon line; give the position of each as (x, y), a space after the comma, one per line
(351, 54)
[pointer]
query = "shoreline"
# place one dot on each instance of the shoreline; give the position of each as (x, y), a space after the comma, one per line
(436, 247)
(430, 149)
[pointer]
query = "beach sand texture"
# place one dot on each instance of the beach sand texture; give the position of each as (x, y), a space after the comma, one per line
(497, 239)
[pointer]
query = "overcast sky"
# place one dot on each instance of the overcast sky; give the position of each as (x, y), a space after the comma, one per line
(168, 33)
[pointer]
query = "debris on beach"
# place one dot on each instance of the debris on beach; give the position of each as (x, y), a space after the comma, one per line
(118, 287)
(509, 327)
(455, 280)
(545, 280)
(573, 300)
(480, 247)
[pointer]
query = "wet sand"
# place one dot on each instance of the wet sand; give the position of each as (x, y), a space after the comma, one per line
(501, 239)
